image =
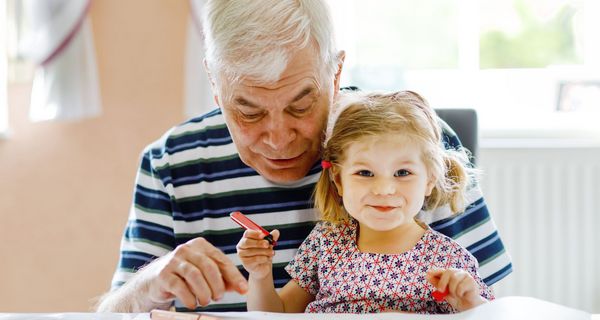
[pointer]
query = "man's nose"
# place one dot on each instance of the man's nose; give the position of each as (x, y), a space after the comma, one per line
(279, 132)
(384, 187)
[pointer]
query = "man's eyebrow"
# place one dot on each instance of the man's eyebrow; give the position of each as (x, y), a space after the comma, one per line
(303, 94)
(244, 102)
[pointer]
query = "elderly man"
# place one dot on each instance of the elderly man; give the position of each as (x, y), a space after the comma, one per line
(275, 72)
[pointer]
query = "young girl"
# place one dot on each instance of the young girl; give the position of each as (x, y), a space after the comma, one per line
(383, 163)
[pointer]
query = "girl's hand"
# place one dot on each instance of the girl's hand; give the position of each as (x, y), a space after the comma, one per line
(463, 290)
(256, 253)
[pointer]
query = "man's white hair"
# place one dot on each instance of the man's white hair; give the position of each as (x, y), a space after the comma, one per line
(256, 38)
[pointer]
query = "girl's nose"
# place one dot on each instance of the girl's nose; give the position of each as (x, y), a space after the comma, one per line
(384, 187)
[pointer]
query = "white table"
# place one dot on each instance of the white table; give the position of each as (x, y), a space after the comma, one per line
(500, 309)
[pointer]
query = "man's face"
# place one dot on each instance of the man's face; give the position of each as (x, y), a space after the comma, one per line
(277, 127)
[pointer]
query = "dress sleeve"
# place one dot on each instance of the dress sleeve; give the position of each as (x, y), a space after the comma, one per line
(304, 267)
(471, 266)
(149, 230)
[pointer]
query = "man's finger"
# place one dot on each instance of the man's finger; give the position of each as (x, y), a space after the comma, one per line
(196, 274)
(208, 269)
(179, 288)
(234, 280)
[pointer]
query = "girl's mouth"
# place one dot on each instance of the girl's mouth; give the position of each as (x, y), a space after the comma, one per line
(383, 208)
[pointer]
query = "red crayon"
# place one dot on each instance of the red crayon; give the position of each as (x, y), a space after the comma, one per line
(439, 295)
(248, 224)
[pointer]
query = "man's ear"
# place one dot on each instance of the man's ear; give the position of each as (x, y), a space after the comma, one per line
(338, 74)
(213, 85)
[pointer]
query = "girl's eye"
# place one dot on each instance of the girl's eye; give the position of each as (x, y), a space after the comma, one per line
(365, 173)
(402, 173)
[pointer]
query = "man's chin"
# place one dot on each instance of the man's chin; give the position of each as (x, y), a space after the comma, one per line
(284, 176)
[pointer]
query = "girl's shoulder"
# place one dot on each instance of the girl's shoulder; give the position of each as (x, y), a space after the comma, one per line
(331, 230)
(451, 246)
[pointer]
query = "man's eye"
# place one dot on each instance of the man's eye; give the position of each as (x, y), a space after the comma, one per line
(364, 173)
(402, 173)
(250, 116)
(298, 110)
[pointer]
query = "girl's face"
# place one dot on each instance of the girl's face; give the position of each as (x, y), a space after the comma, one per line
(383, 181)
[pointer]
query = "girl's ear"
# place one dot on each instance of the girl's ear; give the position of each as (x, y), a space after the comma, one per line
(430, 186)
(336, 177)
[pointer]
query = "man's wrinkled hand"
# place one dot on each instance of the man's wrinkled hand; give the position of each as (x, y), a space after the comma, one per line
(195, 272)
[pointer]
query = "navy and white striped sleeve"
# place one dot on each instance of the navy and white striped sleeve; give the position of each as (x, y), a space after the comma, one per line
(149, 231)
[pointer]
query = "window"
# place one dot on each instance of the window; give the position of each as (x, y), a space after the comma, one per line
(507, 59)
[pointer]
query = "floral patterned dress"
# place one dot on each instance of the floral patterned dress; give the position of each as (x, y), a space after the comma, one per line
(343, 279)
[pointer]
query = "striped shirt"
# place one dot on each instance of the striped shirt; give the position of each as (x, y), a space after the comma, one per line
(192, 178)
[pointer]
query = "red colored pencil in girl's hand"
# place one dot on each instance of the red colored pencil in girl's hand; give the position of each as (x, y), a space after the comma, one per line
(439, 295)
(248, 224)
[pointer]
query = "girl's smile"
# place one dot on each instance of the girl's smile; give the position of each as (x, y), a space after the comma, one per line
(383, 208)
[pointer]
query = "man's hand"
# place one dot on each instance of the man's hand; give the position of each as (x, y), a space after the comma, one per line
(256, 253)
(195, 272)
(463, 290)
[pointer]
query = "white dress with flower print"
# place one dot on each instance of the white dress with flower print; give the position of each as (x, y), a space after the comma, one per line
(329, 266)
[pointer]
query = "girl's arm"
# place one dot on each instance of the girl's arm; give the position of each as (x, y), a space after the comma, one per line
(257, 258)
(262, 296)
(295, 298)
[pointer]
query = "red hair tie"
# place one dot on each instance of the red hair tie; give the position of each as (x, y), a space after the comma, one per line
(325, 164)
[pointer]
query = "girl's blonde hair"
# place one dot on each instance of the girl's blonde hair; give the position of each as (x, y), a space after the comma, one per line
(359, 115)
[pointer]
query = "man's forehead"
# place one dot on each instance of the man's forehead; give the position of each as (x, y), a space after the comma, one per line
(291, 91)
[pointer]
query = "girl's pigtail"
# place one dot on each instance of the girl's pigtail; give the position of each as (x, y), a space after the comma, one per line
(458, 180)
(327, 200)
(451, 189)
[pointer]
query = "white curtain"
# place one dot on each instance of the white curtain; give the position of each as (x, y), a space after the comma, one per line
(58, 38)
(3, 75)
(198, 93)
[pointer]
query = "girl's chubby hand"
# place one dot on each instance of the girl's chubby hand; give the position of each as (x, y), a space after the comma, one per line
(256, 253)
(463, 290)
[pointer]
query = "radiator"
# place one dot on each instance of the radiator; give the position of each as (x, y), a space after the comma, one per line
(546, 204)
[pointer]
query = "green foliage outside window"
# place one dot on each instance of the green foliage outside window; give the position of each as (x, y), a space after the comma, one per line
(538, 43)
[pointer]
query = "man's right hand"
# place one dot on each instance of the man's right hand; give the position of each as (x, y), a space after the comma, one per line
(195, 272)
